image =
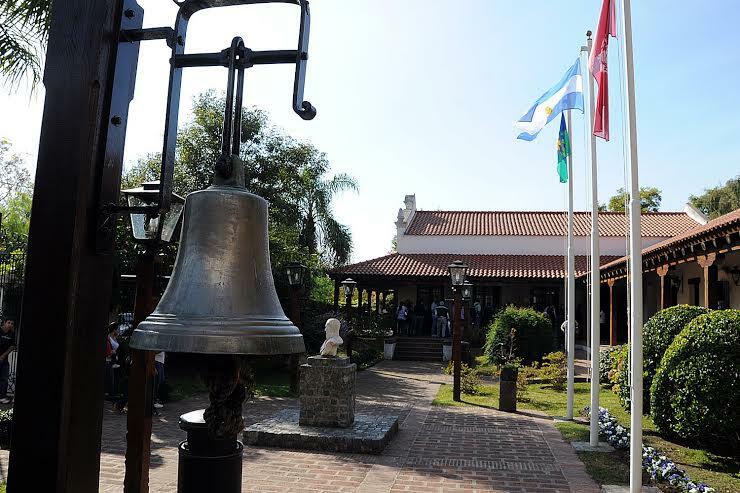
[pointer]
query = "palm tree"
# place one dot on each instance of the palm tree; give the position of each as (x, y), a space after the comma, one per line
(318, 226)
(24, 27)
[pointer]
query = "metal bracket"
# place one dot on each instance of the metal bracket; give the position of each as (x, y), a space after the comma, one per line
(131, 34)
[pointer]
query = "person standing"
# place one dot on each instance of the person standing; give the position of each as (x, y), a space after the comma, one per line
(158, 379)
(401, 318)
(442, 316)
(418, 318)
(434, 318)
(7, 345)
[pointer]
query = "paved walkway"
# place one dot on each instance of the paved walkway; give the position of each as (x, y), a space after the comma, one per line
(438, 449)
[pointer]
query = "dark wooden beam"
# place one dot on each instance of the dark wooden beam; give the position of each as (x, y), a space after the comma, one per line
(59, 389)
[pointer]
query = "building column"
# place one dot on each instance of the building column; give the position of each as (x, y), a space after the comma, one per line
(612, 315)
(662, 271)
(377, 302)
(359, 299)
(710, 273)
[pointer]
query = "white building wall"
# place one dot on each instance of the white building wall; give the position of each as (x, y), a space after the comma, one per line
(511, 245)
(689, 270)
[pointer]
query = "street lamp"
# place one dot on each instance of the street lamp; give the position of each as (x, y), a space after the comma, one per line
(296, 273)
(467, 290)
(348, 285)
(152, 228)
(458, 270)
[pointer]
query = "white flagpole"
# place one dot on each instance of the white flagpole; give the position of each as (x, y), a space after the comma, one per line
(571, 333)
(595, 264)
(635, 257)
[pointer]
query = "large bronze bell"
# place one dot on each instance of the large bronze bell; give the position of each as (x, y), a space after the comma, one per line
(221, 298)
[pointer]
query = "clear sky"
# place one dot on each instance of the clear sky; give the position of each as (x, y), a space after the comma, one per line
(419, 96)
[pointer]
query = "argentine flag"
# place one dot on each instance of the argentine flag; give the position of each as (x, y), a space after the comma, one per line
(565, 95)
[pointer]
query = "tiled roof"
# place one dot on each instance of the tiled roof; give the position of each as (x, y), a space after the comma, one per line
(398, 265)
(522, 223)
(729, 223)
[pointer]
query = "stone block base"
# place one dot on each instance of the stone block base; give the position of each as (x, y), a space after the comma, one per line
(327, 392)
(367, 435)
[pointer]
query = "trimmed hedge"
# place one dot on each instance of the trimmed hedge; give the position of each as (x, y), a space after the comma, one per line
(695, 394)
(533, 334)
(657, 335)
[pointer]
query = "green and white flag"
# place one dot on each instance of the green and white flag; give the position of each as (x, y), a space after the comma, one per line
(563, 150)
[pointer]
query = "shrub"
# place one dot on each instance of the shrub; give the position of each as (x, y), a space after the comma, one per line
(469, 380)
(607, 360)
(618, 375)
(657, 335)
(695, 393)
(533, 334)
(6, 428)
(554, 370)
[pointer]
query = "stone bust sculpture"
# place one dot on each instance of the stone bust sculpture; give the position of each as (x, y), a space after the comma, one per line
(333, 341)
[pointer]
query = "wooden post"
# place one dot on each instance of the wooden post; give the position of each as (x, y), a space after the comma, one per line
(662, 271)
(456, 345)
(707, 262)
(612, 314)
(295, 317)
(359, 300)
(59, 389)
(141, 385)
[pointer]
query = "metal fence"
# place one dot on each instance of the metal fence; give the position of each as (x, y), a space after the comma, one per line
(12, 270)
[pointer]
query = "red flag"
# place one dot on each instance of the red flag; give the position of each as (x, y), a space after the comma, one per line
(597, 62)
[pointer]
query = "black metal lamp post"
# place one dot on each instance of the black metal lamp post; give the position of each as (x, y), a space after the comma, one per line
(349, 286)
(152, 231)
(458, 271)
(296, 273)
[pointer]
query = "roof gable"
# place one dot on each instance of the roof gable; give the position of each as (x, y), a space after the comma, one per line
(524, 223)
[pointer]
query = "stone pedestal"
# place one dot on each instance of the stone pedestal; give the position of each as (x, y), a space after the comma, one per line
(327, 392)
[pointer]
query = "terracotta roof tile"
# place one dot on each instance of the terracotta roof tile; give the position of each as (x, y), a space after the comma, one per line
(728, 222)
(480, 266)
(519, 223)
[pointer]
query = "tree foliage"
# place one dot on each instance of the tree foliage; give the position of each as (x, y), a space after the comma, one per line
(15, 199)
(650, 199)
(24, 27)
(291, 175)
(717, 201)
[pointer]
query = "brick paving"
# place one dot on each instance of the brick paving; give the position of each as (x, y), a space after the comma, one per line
(438, 449)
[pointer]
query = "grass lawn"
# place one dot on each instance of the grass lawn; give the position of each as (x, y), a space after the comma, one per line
(722, 473)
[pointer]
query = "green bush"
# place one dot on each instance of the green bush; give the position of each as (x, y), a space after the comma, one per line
(695, 393)
(657, 335)
(469, 380)
(607, 361)
(618, 375)
(554, 370)
(533, 334)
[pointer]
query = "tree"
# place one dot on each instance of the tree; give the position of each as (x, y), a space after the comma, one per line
(15, 199)
(290, 175)
(14, 176)
(16, 217)
(318, 226)
(24, 27)
(650, 199)
(720, 200)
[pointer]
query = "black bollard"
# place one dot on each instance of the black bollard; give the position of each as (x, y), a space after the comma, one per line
(207, 463)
